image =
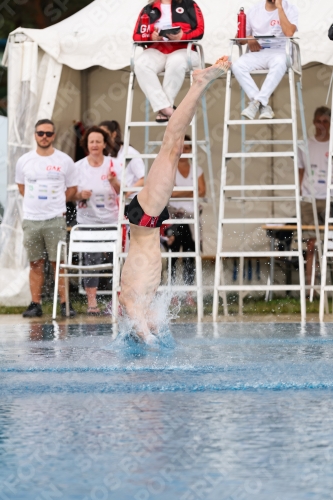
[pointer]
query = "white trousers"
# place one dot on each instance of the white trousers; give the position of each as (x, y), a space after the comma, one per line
(273, 60)
(152, 62)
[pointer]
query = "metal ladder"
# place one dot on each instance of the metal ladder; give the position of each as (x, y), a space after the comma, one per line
(328, 234)
(149, 155)
(294, 67)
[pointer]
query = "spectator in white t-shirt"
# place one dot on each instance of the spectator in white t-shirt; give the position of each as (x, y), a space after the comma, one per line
(182, 236)
(97, 197)
(277, 18)
(319, 154)
(135, 170)
(46, 179)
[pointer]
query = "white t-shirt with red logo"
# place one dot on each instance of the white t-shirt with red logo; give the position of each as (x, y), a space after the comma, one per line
(261, 22)
(103, 205)
(45, 180)
(135, 169)
(319, 154)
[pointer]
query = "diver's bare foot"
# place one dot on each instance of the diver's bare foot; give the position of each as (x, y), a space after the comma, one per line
(207, 75)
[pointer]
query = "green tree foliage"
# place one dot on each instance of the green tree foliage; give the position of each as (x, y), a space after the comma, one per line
(36, 13)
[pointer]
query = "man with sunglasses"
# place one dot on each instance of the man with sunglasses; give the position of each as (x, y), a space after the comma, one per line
(46, 178)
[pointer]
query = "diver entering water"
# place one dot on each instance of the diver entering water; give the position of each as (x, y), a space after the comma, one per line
(142, 269)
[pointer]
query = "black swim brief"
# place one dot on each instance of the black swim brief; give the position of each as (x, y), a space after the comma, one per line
(137, 216)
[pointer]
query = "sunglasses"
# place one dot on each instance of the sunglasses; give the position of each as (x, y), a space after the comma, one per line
(41, 134)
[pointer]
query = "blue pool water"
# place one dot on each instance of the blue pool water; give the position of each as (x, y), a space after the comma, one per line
(230, 412)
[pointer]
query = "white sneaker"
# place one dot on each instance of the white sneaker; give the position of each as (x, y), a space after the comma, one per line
(251, 111)
(266, 112)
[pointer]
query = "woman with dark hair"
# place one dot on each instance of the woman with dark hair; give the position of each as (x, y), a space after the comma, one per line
(187, 19)
(135, 170)
(97, 196)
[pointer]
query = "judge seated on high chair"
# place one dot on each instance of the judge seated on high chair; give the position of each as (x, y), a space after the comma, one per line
(187, 20)
(277, 18)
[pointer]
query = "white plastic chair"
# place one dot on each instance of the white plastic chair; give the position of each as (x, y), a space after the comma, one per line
(85, 239)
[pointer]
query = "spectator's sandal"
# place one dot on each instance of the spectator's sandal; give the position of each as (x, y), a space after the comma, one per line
(93, 311)
(161, 118)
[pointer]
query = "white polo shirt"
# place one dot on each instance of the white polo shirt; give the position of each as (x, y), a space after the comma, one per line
(261, 22)
(45, 180)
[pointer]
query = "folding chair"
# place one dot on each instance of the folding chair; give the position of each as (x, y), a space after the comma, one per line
(85, 239)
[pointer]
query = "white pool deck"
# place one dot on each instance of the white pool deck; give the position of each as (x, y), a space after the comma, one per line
(15, 319)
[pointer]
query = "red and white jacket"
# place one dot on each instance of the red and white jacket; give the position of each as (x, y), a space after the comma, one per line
(186, 14)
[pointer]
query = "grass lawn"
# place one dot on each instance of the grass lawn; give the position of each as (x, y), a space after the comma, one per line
(285, 305)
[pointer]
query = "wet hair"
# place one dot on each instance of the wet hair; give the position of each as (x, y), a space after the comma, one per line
(98, 130)
(322, 110)
(116, 142)
(45, 121)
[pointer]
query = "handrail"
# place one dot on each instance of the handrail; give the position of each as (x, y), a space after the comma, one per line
(296, 66)
(188, 55)
(235, 43)
(190, 44)
(200, 49)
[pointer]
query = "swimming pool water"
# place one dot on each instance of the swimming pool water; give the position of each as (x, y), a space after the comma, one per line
(232, 411)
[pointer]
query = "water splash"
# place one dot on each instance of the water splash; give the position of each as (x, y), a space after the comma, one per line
(164, 312)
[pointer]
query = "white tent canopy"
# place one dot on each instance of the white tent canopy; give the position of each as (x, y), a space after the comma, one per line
(100, 35)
